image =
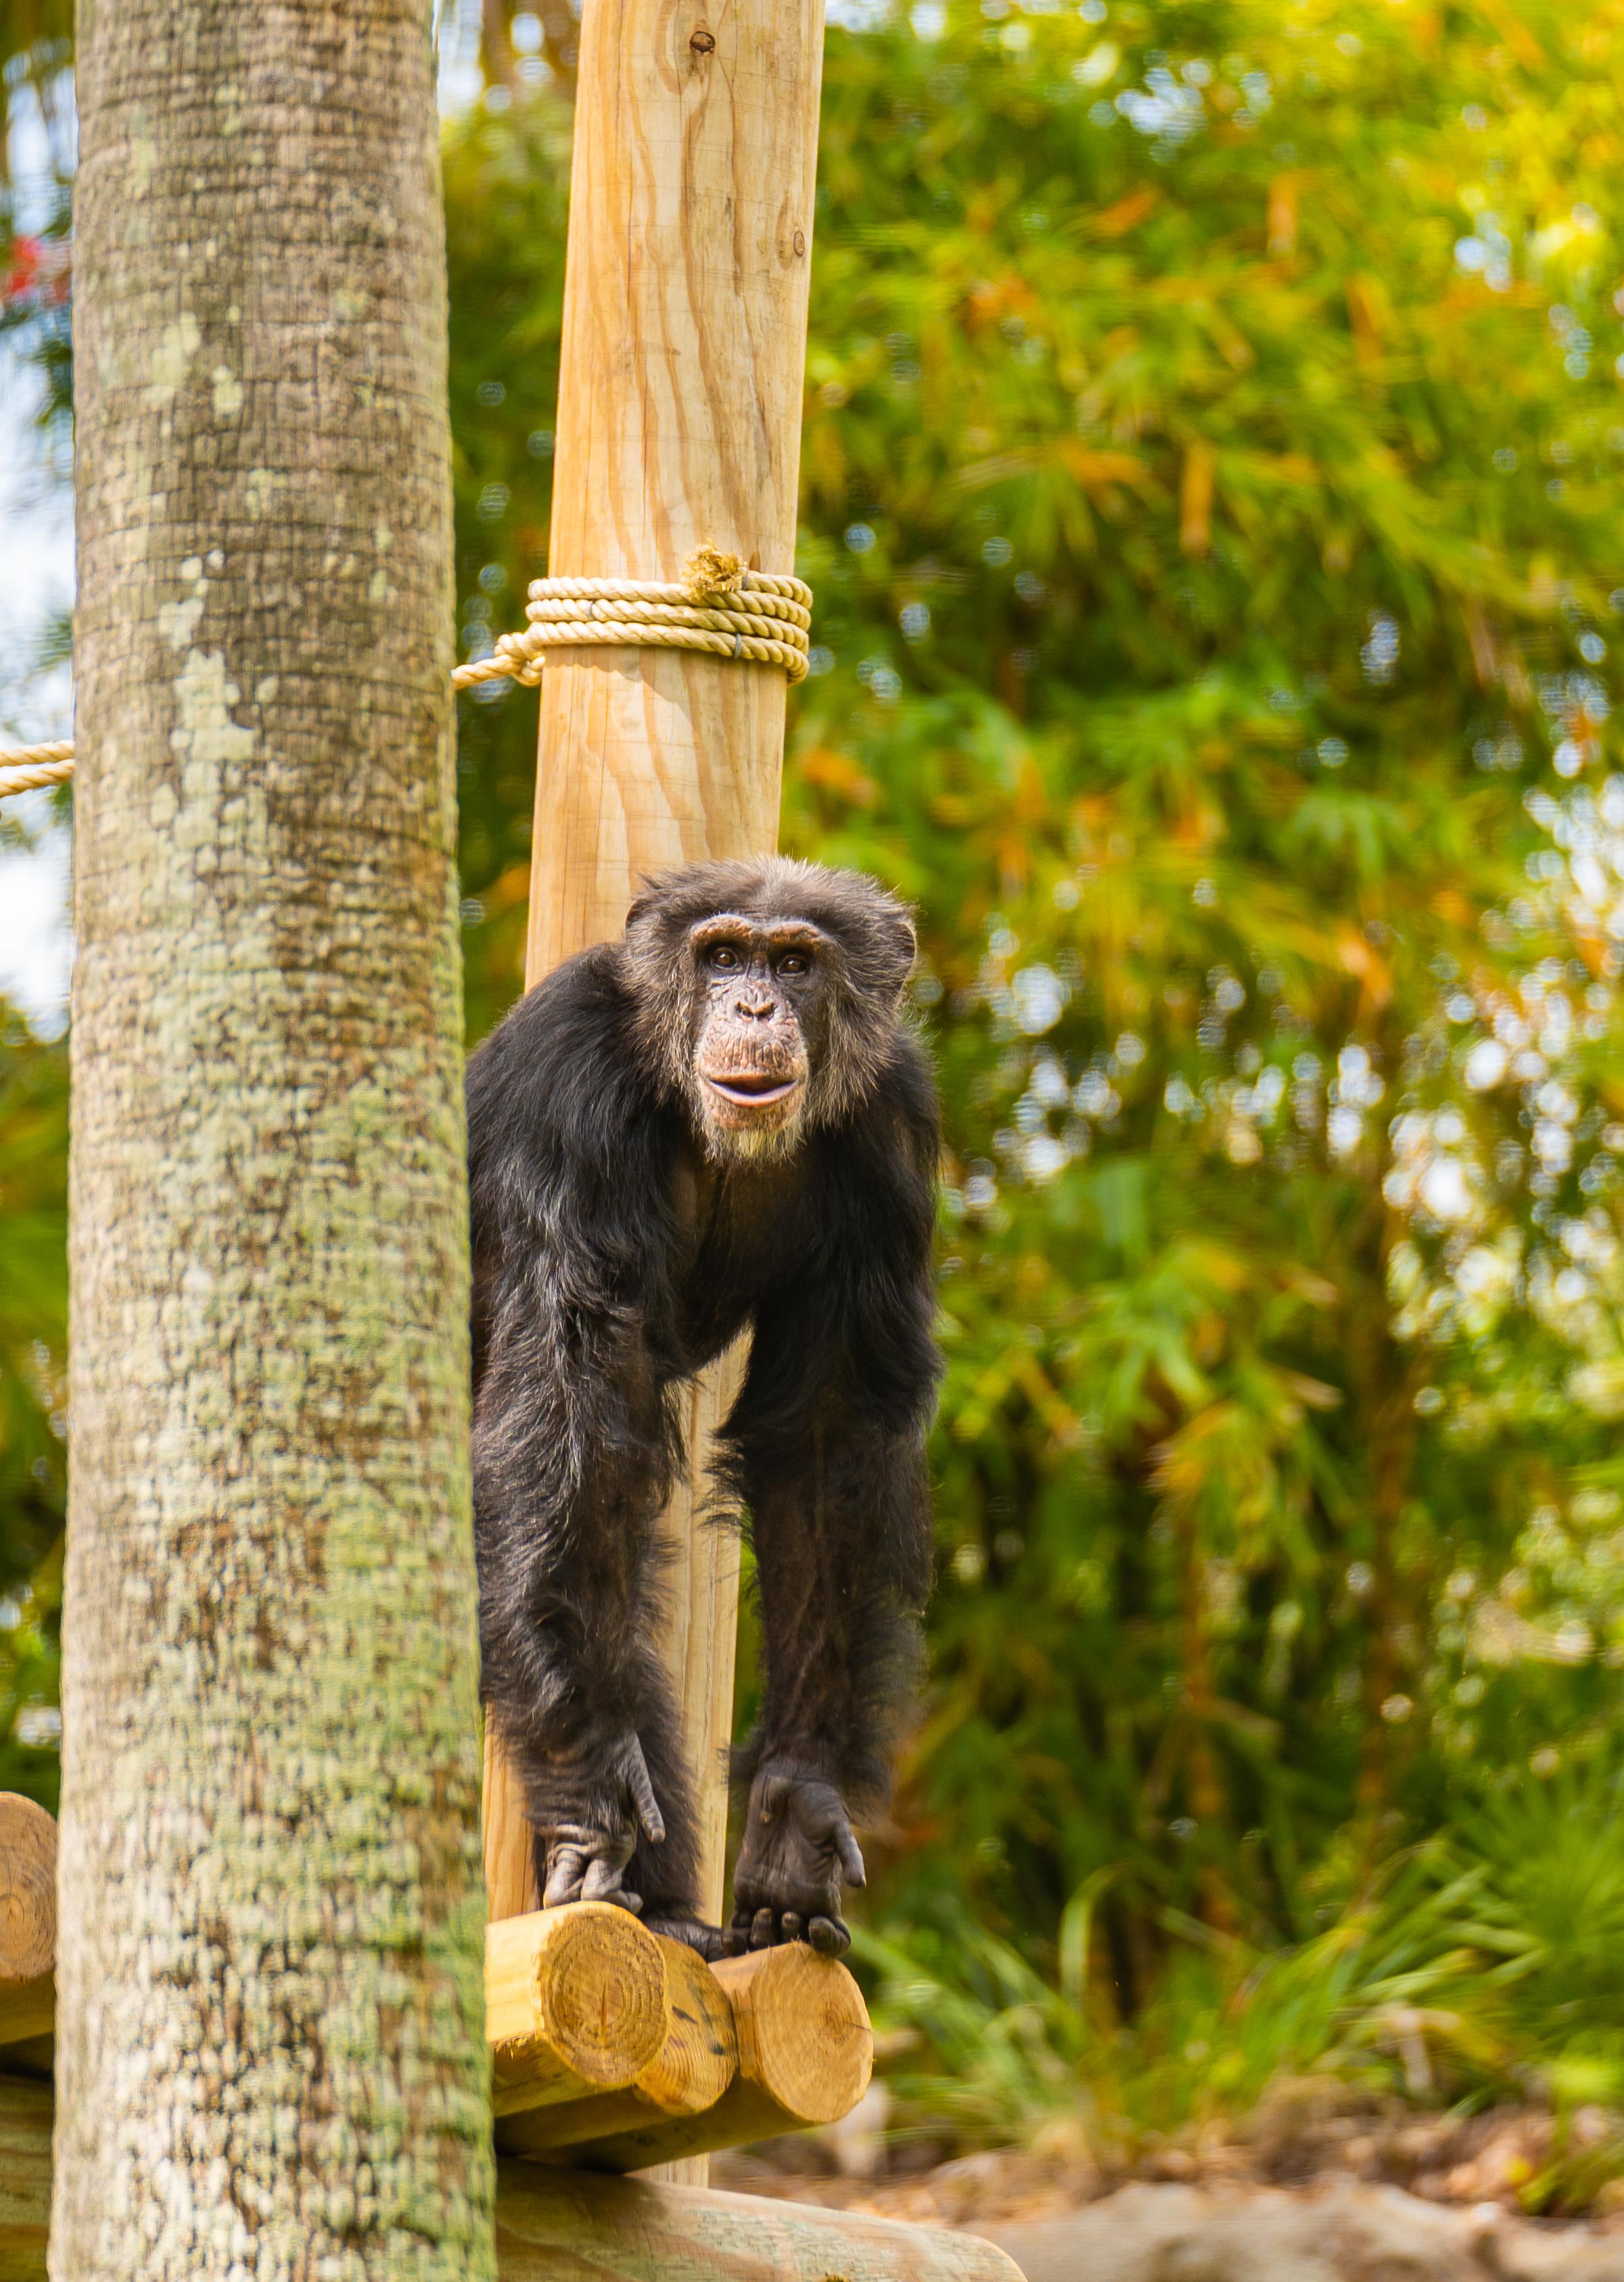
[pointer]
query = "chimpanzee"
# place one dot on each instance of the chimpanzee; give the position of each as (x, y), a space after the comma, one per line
(720, 1121)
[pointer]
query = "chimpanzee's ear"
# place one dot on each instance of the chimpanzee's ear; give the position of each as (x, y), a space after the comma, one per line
(646, 902)
(901, 947)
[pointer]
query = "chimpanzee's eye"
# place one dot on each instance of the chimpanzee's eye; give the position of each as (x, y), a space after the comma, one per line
(794, 962)
(724, 958)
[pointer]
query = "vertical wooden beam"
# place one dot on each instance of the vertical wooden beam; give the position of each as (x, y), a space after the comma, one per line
(679, 421)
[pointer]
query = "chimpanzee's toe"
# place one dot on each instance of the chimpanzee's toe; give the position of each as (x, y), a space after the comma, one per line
(679, 1925)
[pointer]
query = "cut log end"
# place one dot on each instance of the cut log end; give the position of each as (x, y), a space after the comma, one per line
(28, 1919)
(804, 2039)
(805, 2053)
(575, 2003)
(28, 1889)
(686, 2077)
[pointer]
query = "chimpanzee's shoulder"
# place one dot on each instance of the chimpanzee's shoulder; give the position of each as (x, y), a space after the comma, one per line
(910, 1079)
(886, 1149)
(562, 1055)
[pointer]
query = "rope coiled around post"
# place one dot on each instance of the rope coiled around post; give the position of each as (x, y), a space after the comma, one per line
(719, 607)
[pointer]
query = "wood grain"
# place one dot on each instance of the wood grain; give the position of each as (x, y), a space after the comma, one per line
(553, 2224)
(26, 2112)
(679, 421)
(690, 2072)
(574, 2004)
(805, 2056)
(28, 1919)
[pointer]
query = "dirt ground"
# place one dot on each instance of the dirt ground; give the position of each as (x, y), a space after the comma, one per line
(1315, 2192)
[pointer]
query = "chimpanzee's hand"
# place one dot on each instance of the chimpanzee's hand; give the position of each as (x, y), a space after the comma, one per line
(797, 1847)
(587, 1850)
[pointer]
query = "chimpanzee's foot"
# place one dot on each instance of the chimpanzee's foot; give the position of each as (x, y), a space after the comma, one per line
(587, 1840)
(799, 1846)
(678, 1924)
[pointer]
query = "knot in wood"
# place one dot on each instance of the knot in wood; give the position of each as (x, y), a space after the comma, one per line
(703, 42)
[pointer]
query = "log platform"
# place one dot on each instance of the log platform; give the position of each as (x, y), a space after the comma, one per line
(551, 2223)
(611, 2050)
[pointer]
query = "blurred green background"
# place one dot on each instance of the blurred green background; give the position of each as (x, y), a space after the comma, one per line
(1211, 487)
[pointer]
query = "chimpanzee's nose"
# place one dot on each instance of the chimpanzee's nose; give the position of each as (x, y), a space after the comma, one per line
(754, 1008)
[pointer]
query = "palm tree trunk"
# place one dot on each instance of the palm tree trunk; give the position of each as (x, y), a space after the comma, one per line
(270, 2051)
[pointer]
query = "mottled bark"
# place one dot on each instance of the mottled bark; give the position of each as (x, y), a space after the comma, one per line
(271, 2059)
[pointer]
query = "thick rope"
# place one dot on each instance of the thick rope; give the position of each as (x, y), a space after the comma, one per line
(24, 768)
(719, 607)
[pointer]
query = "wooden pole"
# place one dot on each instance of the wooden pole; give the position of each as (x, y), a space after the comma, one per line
(679, 421)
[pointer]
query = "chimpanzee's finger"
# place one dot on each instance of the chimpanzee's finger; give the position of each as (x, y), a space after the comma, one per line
(789, 1925)
(763, 1930)
(831, 1935)
(563, 1877)
(642, 1792)
(601, 1883)
(626, 1901)
(850, 1855)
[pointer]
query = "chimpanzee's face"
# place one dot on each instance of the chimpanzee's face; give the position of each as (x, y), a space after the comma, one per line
(760, 988)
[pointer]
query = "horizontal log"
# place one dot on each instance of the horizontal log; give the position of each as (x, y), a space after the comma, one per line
(28, 1919)
(805, 2055)
(608, 2047)
(574, 2004)
(553, 2224)
(575, 1998)
(688, 2075)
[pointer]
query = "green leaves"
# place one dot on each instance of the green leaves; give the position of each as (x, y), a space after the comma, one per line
(1209, 485)
(33, 1396)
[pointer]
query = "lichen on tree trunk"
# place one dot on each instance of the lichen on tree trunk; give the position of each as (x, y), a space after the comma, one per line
(271, 2059)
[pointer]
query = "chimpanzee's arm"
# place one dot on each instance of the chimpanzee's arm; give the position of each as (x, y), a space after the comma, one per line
(827, 1444)
(574, 1443)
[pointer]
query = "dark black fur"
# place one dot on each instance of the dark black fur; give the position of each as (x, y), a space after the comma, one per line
(613, 1258)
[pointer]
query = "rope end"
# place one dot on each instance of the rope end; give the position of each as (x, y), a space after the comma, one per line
(712, 570)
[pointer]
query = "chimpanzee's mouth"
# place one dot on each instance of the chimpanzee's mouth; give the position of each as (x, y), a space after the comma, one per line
(752, 1089)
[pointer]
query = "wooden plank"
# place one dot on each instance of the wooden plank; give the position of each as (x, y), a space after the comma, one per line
(27, 1918)
(574, 2002)
(805, 2055)
(686, 2077)
(679, 421)
(568, 2226)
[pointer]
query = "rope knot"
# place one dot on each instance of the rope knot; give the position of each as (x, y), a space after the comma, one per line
(712, 570)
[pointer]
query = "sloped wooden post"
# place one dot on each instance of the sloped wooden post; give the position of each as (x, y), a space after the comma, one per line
(679, 421)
